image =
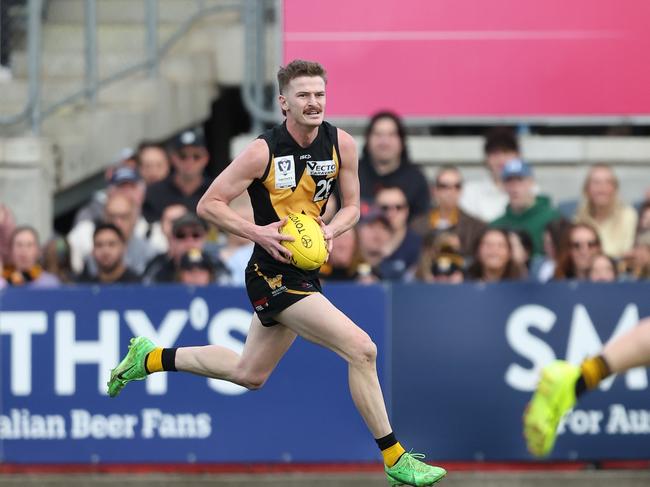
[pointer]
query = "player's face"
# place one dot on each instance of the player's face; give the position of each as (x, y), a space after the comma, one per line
(304, 100)
(108, 251)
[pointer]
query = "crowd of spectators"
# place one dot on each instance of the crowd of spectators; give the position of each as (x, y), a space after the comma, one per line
(142, 228)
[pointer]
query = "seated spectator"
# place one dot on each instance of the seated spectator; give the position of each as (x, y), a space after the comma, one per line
(56, 259)
(638, 263)
(493, 260)
(188, 232)
(525, 211)
(603, 269)
(522, 250)
(152, 162)
(602, 209)
(196, 268)
(343, 260)
(448, 267)
(124, 214)
(186, 184)
(433, 245)
(446, 213)
(7, 227)
(375, 233)
(23, 268)
(120, 179)
(643, 224)
(109, 247)
(544, 269)
(403, 248)
(486, 198)
(385, 163)
(237, 251)
(580, 245)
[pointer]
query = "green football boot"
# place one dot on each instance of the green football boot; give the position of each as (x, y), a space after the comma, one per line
(555, 395)
(132, 367)
(409, 470)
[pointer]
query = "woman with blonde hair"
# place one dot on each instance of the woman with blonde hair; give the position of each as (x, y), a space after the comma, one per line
(602, 208)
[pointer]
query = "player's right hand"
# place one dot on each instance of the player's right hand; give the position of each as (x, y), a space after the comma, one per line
(269, 237)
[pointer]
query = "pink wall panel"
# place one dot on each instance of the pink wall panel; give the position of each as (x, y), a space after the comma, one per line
(433, 58)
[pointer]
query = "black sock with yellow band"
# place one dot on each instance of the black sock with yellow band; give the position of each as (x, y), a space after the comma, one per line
(390, 448)
(160, 359)
(592, 372)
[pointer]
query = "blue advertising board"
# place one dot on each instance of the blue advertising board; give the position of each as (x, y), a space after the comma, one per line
(465, 360)
(57, 348)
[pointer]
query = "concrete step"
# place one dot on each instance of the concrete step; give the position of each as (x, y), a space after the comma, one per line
(197, 66)
(130, 11)
(114, 37)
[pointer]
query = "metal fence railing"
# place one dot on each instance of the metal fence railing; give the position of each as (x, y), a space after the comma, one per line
(148, 48)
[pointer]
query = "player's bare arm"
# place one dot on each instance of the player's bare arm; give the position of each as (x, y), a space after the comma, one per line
(232, 182)
(348, 180)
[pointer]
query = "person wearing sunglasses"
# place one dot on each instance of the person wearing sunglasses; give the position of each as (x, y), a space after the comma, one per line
(403, 248)
(580, 245)
(446, 215)
(188, 232)
(186, 183)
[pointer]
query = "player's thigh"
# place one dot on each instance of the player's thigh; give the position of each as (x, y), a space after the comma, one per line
(264, 347)
(316, 319)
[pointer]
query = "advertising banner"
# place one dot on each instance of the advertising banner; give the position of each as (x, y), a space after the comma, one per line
(57, 349)
(465, 360)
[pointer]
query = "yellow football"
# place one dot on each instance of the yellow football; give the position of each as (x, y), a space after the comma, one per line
(308, 249)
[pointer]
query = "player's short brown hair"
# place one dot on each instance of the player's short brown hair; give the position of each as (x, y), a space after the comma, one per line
(297, 68)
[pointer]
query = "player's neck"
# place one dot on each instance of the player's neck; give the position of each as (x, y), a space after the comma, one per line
(303, 135)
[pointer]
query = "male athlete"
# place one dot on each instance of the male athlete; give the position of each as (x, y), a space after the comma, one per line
(563, 383)
(293, 167)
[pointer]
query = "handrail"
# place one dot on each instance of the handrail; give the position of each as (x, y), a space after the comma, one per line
(33, 109)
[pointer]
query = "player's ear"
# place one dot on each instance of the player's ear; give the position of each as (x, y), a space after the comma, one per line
(283, 102)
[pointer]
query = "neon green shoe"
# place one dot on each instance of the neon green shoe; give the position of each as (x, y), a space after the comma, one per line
(555, 395)
(131, 367)
(409, 470)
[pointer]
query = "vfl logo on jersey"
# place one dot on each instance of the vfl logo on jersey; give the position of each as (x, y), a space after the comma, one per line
(321, 168)
(285, 172)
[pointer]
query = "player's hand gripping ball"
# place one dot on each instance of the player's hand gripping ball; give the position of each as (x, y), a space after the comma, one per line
(309, 250)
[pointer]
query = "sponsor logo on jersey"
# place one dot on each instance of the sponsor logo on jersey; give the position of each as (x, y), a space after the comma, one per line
(321, 168)
(305, 156)
(285, 172)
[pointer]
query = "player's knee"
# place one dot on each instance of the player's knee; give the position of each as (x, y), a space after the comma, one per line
(365, 350)
(253, 382)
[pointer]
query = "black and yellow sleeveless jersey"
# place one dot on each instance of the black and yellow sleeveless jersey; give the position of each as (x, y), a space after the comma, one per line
(297, 179)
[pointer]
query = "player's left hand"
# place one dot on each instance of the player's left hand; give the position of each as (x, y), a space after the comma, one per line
(328, 234)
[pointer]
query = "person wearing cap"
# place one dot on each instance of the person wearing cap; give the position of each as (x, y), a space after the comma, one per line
(120, 177)
(448, 267)
(187, 182)
(109, 249)
(525, 210)
(188, 232)
(485, 198)
(196, 268)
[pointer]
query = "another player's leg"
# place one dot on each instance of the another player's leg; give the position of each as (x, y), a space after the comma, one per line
(264, 348)
(316, 319)
(562, 383)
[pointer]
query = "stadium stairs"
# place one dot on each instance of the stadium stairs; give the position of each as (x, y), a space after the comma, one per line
(78, 141)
